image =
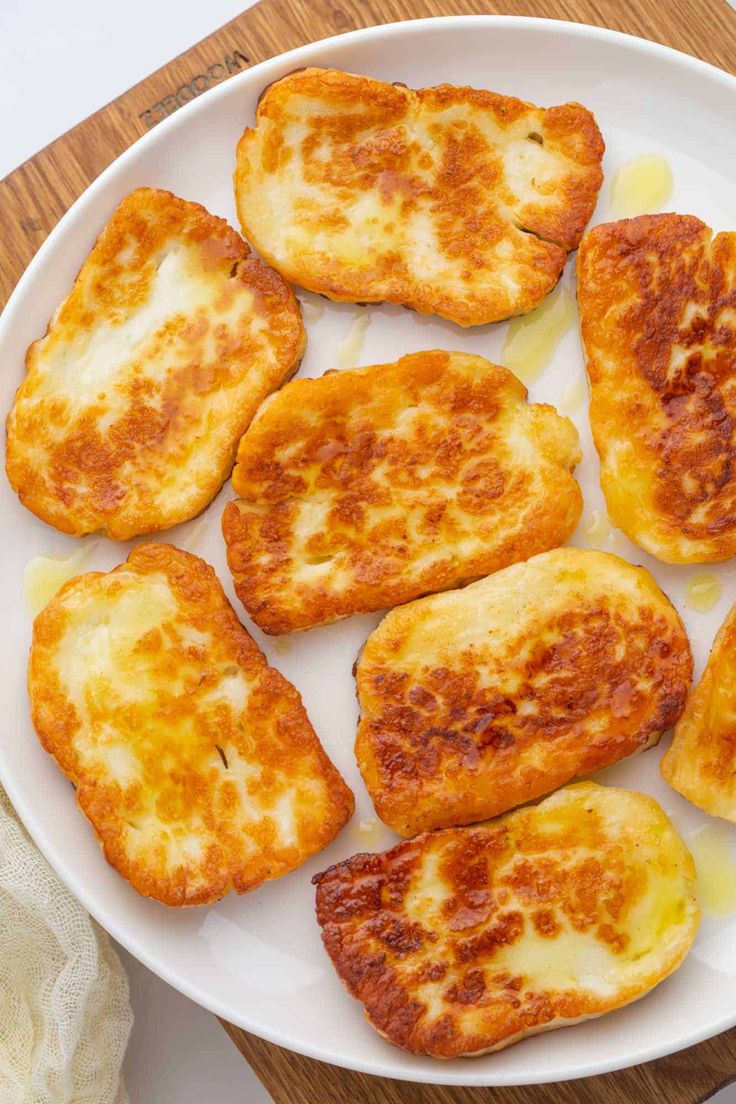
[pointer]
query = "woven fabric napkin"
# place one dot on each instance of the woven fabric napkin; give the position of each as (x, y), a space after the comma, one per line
(65, 1013)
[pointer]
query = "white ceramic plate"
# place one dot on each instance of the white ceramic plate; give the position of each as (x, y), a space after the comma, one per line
(257, 960)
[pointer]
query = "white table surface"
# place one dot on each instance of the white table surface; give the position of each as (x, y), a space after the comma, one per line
(61, 60)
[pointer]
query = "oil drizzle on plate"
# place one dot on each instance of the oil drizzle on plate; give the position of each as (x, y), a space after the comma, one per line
(573, 397)
(45, 575)
(597, 529)
(703, 591)
(641, 187)
(349, 350)
(368, 831)
(716, 885)
(531, 340)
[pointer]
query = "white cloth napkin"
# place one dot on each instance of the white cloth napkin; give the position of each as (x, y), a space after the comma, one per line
(65, 1014)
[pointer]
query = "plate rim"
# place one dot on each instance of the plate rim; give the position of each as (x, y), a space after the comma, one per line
(434, 1074)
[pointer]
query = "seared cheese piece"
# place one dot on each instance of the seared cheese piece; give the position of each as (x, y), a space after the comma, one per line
(363, 489)
(657, 298)
(452, 201)
(701, 761)
(481, 699)
(194, 761)
(467, 940)
(135, 399)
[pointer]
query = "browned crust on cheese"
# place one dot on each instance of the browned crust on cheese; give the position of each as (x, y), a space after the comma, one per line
(348, 439)
(700, 763)
(430, 971)
(274, 732)
(455, 177)
(480, 728)
(657, 305)
(82, 476)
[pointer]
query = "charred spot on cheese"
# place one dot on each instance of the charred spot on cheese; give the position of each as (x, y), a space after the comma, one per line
(194, 761)
(363, 489)
(449, 200)
(478, 700)
(701, 761)
(466, 940)
(657, 297)
(135, 399)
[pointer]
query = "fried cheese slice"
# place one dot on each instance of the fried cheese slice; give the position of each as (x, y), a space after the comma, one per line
(134, 401)
(194, 761)
(363, 489)
(657, 297)
(478, 700)
(700, 763)
(467, 940)
(449, 200)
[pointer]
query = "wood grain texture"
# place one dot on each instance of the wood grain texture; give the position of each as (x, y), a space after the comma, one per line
(35, 196)
(685, 1078)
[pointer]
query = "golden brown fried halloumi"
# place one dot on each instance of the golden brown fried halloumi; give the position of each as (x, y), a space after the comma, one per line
(464, 941)
(478, 700)
(452, 201)
(363, 489)
(701, 761)
(657, 298)
(130, 415)
(193, 759)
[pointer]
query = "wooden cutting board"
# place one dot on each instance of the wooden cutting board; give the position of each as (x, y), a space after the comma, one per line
(36, 195)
